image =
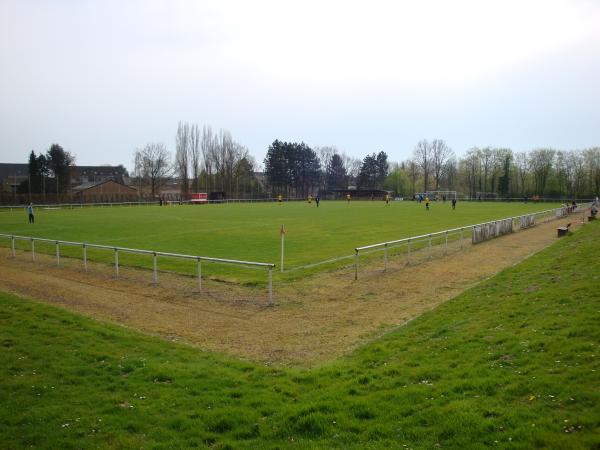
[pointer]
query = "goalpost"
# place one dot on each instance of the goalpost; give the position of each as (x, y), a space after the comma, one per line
(440, 195)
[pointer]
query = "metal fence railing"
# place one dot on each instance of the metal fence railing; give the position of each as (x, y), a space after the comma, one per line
(407, 246)
(148, 203)
(155, 254)
(79, 205)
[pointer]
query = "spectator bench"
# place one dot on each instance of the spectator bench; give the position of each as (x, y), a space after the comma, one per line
(562, 231)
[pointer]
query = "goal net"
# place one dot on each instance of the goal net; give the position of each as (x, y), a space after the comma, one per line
(440, 195)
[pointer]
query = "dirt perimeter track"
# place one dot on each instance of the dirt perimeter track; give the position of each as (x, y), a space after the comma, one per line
(313, 320)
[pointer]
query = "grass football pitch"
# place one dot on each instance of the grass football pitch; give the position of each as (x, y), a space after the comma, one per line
(249, 231)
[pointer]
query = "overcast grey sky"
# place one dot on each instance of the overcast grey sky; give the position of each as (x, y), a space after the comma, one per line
(104, 77)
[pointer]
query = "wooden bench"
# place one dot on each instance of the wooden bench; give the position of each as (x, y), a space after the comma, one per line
(562, 231)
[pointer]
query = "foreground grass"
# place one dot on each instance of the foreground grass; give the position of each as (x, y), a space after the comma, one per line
(247, 231)
(512, 363)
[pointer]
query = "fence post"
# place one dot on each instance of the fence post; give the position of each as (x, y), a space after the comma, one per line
(84, 257)
(116, 262)
(199, 274)
(430, 246)
(356, 264)
(446, 244)
(32, 249)
(385, 256)
(13, 245)
(270, 286)
(155, 269)
(57, 253)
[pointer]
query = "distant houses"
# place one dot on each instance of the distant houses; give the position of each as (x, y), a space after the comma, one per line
(12, 175)
(107, 190)
(95, 174)
(87, 184)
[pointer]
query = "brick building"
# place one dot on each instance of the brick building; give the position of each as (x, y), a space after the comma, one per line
(104, 191)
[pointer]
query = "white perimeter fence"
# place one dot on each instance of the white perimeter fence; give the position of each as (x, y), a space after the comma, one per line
(475, 233)
(78, 205)
(154, 254)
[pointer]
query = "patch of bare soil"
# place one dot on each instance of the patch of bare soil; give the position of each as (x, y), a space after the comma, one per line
(313, 320)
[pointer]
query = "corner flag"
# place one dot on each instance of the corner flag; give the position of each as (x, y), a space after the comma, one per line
(282, 234)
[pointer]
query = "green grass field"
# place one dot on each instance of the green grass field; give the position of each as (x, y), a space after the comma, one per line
(251, 231)
(512, 363)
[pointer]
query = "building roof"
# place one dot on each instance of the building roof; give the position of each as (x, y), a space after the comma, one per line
(110, 170)
(86, 186)
(10, 170)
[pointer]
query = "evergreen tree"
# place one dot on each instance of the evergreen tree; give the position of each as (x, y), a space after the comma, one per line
(337, 177)
(59, 161)
(276, 168)
(373, 171)
(503, 181)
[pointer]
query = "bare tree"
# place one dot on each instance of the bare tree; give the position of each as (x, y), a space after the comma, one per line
(541, 161)
(592, 160)
(578, 168)
(472, 168)
(352, 166)
(194, 154)
(207, 148)
(422, 156)
(522, 165)
(325, 154)
(486, 166)
(440, 155)
(152, 163)
(182, 143)
(562, 170)
(413, 174)
(450, 171)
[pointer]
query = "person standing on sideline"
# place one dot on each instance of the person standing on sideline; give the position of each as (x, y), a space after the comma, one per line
(30, 213)
(453, 203)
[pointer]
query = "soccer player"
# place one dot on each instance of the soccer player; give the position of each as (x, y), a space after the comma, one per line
(348, 197)
(427, 203)
(387, 199)
(317, 200)
(310, 198)
(279, 198)
(30, 213)
(453, 203)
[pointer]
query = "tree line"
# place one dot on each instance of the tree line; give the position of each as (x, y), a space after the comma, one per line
(213, 161)
(295, 169)
(48, 172)
(500, 172)
(204, 160)
(209, 160)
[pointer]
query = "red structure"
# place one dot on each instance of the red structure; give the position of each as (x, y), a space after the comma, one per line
(200, 198)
